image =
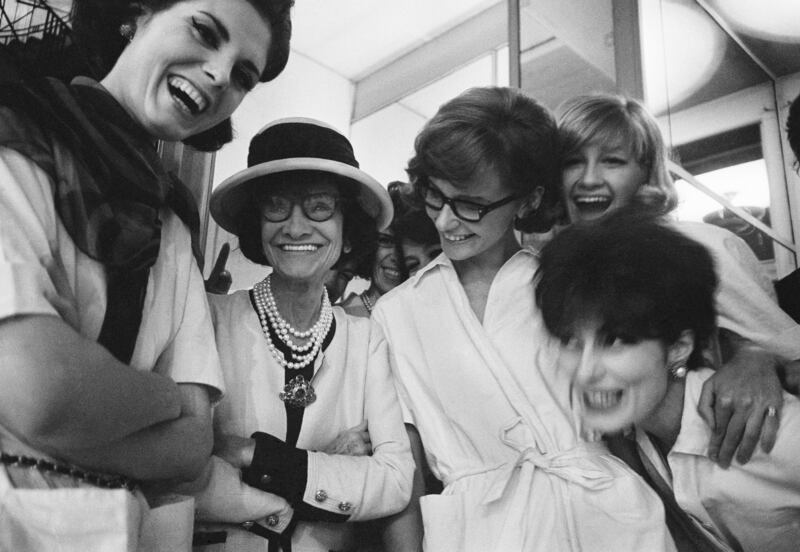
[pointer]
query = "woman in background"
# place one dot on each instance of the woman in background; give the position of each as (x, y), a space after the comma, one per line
(613, 155)
(310, 415)
(632, 302)
(410, 243)
(107, 362)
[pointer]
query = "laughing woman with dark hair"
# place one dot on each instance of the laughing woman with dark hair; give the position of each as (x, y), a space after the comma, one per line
(107, 360)
(632, 301)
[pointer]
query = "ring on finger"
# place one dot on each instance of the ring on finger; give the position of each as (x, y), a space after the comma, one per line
(772, 411)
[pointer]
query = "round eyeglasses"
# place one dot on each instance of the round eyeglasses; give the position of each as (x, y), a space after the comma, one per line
(317, 207)
(465, 210)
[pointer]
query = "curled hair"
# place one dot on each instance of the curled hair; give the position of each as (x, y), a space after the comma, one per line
(358, 228)
(634, 276)
(793, 129)
(96, 29)
(608, 118)
(491, 128)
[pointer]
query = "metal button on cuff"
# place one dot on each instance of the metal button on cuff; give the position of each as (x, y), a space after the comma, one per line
(321, 496)
(345, 506)
(273, 520)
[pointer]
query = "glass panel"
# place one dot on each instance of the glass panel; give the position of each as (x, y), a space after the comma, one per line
(567, 48)
(715, 99)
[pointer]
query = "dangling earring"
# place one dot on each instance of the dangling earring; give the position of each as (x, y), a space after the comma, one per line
(678, 370)
(127, 30)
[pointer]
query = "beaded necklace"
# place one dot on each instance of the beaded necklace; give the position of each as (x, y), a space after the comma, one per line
(367, 302)
(268, 314)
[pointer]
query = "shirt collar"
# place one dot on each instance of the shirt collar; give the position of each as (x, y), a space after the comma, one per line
(443, 262)
(695, 434)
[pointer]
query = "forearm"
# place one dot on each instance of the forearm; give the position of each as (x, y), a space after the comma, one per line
(403, 532)
(176, 450)
(61, 391)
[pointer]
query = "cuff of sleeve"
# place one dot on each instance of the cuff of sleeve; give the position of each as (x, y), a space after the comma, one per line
(277, 468)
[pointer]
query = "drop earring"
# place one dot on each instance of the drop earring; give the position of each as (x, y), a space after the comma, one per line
(127, 30)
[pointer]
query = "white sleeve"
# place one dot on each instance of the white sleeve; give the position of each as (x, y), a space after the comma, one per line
(746, 301)
(27, 236)
(368, 487)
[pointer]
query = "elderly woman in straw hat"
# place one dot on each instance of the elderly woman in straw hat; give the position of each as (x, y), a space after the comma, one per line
(308, 416)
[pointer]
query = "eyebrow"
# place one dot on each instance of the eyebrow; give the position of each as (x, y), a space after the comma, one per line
(225, 35)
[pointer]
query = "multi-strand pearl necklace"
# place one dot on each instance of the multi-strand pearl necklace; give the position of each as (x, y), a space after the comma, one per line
(268, 314)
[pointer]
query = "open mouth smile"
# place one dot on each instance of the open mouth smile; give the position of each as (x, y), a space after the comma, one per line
(187, 96)
(299, 248)
(602, 400)
(592, 204)
(457, 238)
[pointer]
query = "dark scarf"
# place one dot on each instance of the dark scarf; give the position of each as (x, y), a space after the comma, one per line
(107, 192)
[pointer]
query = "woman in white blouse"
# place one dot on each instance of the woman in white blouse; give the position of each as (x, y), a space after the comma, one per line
(632, 301)
(475, 369)
(310, 415)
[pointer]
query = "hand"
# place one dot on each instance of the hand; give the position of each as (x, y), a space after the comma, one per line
(734, 403)
(237, 451)
(219, 280)
(225, 498)
(351, 442)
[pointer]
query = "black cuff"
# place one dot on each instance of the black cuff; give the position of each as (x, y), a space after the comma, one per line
(277, 468)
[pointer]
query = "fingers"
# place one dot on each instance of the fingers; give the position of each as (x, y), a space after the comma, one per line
(770, 430)
(705, 405)
(721, 415)
(730, 434)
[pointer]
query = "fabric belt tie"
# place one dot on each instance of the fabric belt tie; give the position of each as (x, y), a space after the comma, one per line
(578, 465)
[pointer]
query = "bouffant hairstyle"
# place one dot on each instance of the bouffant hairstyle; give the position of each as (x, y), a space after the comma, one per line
(491, 128)
(613, 119)
(96, 29)
(359, 230)
(634, 276)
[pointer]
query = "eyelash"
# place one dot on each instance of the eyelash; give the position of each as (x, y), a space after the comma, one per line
(209, 37)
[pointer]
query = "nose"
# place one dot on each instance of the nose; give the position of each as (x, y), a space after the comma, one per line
(591, 175)
(297, 225)
(590, 367)
(446, 219)
(218, 69)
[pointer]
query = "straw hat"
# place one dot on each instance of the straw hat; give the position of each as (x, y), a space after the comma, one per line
(297, 144)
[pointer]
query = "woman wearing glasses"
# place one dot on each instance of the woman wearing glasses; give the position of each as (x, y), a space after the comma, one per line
(303, 418)
(475, 370)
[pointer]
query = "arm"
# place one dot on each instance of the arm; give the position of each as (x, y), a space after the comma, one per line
(340, 487)
(403, 532)
(69, 397)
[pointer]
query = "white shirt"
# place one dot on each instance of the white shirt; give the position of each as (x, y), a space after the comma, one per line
(494, 416)
(755, 506)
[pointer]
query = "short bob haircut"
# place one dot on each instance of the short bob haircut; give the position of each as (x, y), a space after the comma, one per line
(358, 231)
(494, 128)
(96, 29)
(634, 276)
(612, 119)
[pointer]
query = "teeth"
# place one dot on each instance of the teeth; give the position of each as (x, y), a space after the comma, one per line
(391, 273)
(602, 399)
(299, 247)
(592, 200)
(456, 238)
(190, 93)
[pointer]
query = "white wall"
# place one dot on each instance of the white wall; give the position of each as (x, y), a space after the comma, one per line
(304, 89)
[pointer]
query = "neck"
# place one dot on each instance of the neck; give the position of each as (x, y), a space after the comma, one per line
(485, 265)
(298, 302)
(664, 423)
